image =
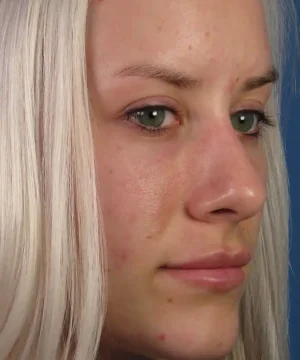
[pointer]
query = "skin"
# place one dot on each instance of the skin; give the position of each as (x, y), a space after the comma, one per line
(195, 189)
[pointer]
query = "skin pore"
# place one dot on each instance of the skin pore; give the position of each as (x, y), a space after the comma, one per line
(196, 186)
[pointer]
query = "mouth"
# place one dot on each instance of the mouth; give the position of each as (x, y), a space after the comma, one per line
(219, 271)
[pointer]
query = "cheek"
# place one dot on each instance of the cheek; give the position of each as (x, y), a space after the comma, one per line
(138, 202)
(259, 160)
(250, 228)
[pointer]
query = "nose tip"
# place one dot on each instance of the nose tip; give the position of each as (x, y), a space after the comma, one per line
(234, 192)
(234, 205)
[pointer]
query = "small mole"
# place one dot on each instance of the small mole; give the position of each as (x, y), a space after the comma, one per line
(237, 79)
(190, 47)
(170, 301)
(162, 337)
(207, 34)
(148, 237)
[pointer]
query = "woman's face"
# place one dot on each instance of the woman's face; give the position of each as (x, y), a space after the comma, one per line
(176, 88)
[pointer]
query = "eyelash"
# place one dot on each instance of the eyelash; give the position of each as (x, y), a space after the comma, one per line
(264, 120)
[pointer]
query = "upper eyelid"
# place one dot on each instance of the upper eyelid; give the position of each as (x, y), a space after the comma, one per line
(139, 108)
(178, 111)
(181, 107)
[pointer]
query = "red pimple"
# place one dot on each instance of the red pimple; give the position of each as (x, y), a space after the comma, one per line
(162, 337)
(124, 257)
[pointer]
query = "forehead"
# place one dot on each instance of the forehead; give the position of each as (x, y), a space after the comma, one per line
(215, 35)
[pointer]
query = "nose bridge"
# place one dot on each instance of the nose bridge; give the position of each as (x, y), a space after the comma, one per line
(227, 182)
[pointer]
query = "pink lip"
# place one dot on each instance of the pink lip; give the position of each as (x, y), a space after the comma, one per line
(218, 271)
(215, 260)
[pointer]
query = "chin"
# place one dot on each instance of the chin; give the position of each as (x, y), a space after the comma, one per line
(196, 348)
(209, 334)
(182, 337)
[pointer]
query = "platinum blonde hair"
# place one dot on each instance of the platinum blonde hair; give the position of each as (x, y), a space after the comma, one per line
(52, 264)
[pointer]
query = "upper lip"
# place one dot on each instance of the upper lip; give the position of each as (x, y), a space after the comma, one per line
(216, 260)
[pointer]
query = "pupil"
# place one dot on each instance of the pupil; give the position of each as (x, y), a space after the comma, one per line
(153, 114)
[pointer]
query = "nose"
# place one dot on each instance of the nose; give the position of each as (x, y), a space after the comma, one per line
(228, 177)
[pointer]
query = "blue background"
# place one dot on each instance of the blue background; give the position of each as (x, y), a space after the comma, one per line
(291, 134)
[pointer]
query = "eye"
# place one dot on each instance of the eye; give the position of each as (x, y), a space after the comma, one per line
(250, 122)
(153, 118)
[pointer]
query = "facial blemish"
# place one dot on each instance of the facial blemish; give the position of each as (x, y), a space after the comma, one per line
(170, 300)
(207, 34)
(162, 337)
(120, 258)
(124, 257)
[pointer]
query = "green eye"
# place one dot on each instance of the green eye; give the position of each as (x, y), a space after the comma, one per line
(246, 121)
(151, 117)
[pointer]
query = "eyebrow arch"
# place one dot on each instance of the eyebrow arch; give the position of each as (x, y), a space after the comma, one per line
(270, 77)
(184, 81)
(168, 75)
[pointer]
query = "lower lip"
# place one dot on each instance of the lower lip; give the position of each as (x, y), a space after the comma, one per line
(222, 279)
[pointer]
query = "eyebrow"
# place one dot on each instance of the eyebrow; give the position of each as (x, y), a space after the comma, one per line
(184, 81)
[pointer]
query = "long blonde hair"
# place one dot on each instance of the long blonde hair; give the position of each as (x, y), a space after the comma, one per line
(52, 264)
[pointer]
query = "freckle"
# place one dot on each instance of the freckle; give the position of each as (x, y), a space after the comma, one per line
(207, 34)
(111, 171)
(190, 47)
(160, 28)
(237, 79)
(170, 301)
(162, 337)
(148, 237)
